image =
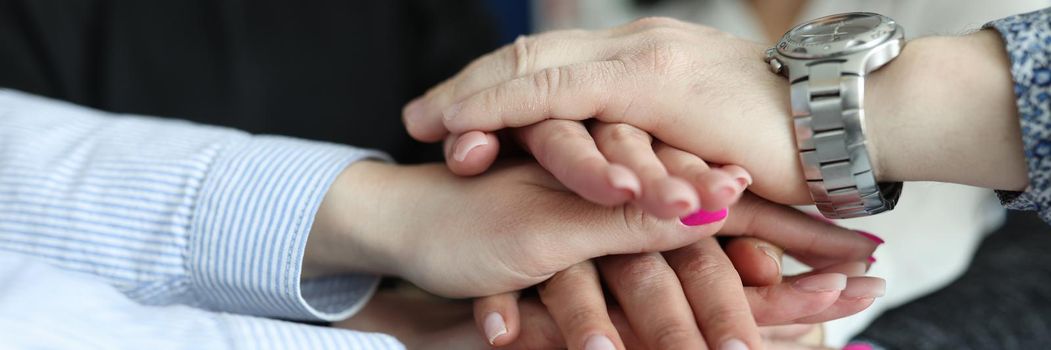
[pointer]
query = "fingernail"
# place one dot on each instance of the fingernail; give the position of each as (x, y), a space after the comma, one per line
(494, 326)
(772, 254)
(864, 288)
(450, 112)
(871, 260)
(854, 268)
(872, 237)
(733, 344)
(858, 346)
(826, 282)
(744, 180)
(680, 200)
(622, 178)
(468, 142)
(726, 191)
(704, 217)
(599, 342)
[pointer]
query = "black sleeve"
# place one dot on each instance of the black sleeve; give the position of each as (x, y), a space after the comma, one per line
(326, 70)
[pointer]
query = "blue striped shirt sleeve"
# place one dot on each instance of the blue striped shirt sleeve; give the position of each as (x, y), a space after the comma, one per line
(171, 212)
(52, 308)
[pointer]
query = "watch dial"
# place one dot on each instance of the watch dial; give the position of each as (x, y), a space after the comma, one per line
(838, 34)
(834, 29)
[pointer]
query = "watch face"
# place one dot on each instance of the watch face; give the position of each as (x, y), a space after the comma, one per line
(836, 35)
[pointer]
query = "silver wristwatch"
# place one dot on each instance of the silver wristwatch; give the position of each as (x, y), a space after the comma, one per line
(826, 61)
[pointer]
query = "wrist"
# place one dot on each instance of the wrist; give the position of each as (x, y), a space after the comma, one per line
(348, 232)
(944, 111)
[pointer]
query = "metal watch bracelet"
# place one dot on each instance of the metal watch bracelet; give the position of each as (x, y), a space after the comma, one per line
(829, 126)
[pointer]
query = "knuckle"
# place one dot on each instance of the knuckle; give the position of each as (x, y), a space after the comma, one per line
(701, 270)
(545, 141)
(581, 317)
(621, 132)
(726, 315)
(573, 277)
(663, 52)
(669, 334)
(637, 222)
(547, 81)
(523, 54)
(645, 273)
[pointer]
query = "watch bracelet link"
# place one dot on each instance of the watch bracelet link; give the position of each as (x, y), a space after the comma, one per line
(829, 126)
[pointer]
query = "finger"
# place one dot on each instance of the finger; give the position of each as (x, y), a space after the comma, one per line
(757, 262)
(795, 298)
(498, 318)
(627, 335)
(539, 331)
(526, 55)
(588, 231)
(803, 299)
(653, 300)
(471, 153)
(566, 149)
(574, 92)
(662, 195)
(717, 188)
(811, 241)
(575, 300)
(716, 295)
(858, 295)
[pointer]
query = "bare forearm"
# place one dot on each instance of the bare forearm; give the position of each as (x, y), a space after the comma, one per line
(945, 111)
(345, 238)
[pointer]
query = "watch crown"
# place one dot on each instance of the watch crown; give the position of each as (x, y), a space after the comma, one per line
(775, 66)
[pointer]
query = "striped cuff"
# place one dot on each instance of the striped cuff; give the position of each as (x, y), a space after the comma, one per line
(250, 228)
(260, 333)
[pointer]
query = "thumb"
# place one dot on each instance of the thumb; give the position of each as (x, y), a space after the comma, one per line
(471, 153)
(757, 261)
(497, 317)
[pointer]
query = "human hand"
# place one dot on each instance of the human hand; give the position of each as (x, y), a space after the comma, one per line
(606, 163)
(510, 228)
(656, 307)
(692, 87)
(942, 111)
(719, 293)
(422, 321)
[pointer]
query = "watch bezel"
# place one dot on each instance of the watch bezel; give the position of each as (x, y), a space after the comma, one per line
(881, 33)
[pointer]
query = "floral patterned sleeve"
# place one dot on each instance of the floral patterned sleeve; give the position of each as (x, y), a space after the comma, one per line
(1028, 41)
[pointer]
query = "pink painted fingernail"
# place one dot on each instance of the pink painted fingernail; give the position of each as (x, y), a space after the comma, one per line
(871, 237)
(858, 346)
(864, 288)
(599, 342)
(451, 112)
(622, 178)
(468, 142)
(826, 282)
(871, 260)
(494, 326)
(704, 217)
(733, 344)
